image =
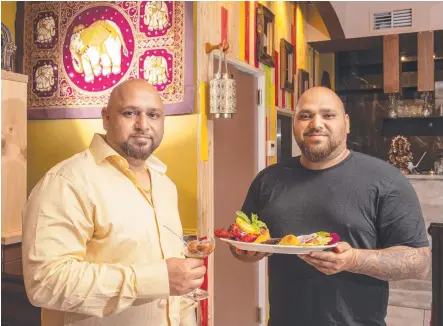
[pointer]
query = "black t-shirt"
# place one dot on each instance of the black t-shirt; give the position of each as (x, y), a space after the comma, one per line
(368, 202)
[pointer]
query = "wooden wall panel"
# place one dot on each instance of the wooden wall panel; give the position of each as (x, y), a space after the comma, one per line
(14, 146)
(234, 28)
(11, 252)
(425, 61)
(208, 30)
(391, 63)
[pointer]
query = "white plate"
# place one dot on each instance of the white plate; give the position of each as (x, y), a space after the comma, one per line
(276, 249)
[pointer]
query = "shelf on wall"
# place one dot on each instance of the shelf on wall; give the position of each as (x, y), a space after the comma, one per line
(413, 126)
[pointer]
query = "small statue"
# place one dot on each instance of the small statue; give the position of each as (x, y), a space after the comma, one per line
(400, 154)
(8, 50)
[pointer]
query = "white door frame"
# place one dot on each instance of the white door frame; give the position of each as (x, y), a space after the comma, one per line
(261, 164)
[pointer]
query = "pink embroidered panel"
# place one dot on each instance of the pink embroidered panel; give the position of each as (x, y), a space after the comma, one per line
(77, 52)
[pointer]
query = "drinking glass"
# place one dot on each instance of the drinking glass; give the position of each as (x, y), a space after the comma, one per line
(198, 247)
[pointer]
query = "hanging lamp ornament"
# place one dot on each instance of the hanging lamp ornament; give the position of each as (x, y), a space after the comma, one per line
(223, 99)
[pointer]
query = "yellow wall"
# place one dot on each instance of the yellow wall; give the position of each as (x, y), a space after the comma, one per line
(314, 19)
(9, 9)
(51, 141)
(302, 47)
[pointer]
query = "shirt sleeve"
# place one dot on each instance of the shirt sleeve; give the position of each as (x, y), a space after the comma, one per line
(58, 222)
(187, 312)
(400, 220)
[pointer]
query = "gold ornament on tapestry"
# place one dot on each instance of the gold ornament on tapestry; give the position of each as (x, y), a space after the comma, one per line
(400, 154)
(156, 15)
(96, 50)
(44, 77)
(156, 70)
(169, 89)
(46, 30)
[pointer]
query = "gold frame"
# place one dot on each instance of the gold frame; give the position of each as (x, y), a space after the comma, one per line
(265, 35)
(304, 82)
(286, 66)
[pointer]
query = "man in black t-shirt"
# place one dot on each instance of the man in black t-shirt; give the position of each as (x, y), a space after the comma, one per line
(368, 202)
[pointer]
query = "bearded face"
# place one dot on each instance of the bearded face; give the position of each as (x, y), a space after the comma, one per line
(318, 144)
(320, 132)
(140, 145)
(135, 121)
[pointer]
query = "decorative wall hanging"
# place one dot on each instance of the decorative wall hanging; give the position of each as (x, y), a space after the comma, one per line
(223, 96)
(286, 66)
(77, 52)
(8, 50)
(265, 35)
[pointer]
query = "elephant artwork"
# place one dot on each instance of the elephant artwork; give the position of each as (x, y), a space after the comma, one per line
(96, 50)
(44, 78)
(156, 15)
(45, 30)
(155, 70)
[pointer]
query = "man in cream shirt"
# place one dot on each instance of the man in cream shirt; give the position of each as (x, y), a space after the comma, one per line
(95, 249)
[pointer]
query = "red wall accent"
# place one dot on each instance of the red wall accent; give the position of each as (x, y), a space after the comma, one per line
(224, 24)
(277, 81)
(247, 31)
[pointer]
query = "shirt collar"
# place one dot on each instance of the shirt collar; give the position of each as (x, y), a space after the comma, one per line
(101, 150)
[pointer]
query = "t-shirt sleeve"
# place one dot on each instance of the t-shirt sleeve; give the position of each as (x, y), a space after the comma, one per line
(400, 220)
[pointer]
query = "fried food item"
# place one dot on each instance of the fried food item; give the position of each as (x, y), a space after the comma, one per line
(289, 240)
(264, 236)
(245, 229)
(272, 241)
(310, 240)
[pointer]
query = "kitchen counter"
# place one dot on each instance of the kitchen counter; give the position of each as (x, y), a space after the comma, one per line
(424, 177)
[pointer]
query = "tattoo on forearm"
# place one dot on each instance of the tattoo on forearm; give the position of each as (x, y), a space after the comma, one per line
(392, 264)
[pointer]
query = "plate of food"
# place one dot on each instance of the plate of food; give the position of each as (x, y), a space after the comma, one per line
(251, 234)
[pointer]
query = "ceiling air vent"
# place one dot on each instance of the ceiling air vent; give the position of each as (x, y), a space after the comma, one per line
(392, 19)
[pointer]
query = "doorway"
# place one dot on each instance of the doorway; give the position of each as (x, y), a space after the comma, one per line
(284, 137)
(236, 153)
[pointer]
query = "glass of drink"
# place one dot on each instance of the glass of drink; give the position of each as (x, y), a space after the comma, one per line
(198, 247)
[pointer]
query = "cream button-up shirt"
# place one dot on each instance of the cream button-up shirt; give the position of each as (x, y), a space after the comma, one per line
(94, 245)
